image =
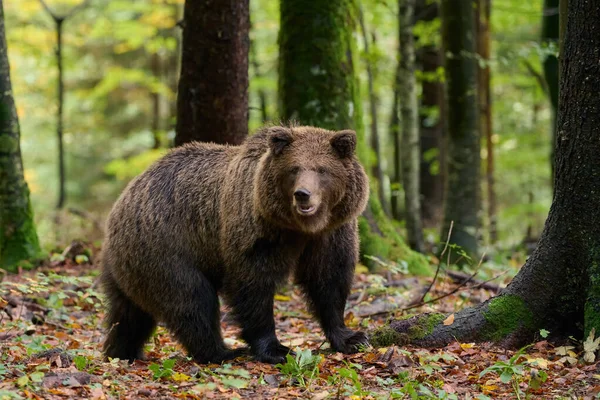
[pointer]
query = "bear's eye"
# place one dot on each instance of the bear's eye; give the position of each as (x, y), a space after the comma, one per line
(294, 170)
(321, 170)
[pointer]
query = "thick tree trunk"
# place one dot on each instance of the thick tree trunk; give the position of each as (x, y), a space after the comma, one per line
(377, 164)
(550, 34)
(485, 111)
(432, 126)
(318, 86)
(409, 110)
(18, 237)
(462, 189)
(317, 83)
(558, 288)
(212, 99)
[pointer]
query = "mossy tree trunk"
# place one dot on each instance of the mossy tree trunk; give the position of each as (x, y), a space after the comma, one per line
(212, 99)
(550, 34)
(318, 86)
(462, 188)
(558, 288)
(18, 237)
(409, 110)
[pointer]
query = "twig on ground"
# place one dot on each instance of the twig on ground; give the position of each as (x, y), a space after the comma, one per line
(437, 271)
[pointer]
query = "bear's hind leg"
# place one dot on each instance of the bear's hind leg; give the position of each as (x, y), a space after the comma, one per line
(195, 321)
(129, 327)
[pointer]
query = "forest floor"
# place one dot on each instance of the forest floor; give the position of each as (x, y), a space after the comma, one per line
(50, 342)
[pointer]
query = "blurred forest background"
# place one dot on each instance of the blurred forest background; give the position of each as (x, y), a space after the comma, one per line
(121, 66)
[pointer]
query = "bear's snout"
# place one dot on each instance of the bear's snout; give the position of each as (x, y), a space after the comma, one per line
(302, 195)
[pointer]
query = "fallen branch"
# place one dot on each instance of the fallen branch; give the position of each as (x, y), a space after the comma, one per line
(457, 277)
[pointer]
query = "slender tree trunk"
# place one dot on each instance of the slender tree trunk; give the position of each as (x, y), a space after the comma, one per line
(432, 125)
(156, 102)
(59, 20)
(485, 111)
(262, 95)
(558, 288)
(59, 117)
(409, 110)
(18, 237)
(212, 100)
(550, 35)
(377, 169)
(396, 139)
(462, 189)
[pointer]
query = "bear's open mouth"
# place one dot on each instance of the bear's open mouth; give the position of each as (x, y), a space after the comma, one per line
(306, 209)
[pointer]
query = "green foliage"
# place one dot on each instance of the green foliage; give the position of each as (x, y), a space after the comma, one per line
(513, 371)
(237, 378)
(162, 371)
(125, 169)
(303, 367)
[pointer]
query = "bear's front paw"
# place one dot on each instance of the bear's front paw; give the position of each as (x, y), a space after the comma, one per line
(273, 353)
(348, 341)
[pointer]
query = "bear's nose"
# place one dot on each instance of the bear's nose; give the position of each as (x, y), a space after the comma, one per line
(302, 195)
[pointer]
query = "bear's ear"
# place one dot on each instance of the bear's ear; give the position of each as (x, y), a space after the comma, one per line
(279, 139)
(344, 143)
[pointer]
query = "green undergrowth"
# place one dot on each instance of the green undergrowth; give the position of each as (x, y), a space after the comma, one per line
(377, 249)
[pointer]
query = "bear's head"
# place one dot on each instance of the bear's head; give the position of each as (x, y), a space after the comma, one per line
(310, 179)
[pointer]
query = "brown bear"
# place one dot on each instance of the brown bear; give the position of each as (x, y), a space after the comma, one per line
(209, 219)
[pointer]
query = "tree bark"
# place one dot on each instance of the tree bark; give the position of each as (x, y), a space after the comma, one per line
(558, 287)
(317, 82)
(550, 36)
(18, 237)
(462, 189)
(262, 95)
(409, 110)
(396, 139)
(432, 125)
(377, 168)
(485, 111)
(212, 99)
(156, 64)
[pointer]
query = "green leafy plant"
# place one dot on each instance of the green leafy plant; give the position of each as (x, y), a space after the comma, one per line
(236, 378)
(350, 373)
(303, 367)
(510, 371)
(162, 371)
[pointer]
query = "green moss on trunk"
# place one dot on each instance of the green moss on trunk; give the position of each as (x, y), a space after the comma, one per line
(504, 315)
(420, 326)
(386, 336)
(18, 237)
(425, 325)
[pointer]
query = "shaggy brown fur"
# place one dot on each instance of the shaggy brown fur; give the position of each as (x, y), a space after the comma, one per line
(235, 220)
